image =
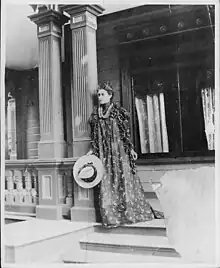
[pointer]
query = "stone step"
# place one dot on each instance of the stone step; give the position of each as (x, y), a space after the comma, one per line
(12, 213)
(16, 216)
(140, 242)
(40, 240)
(148, 228)
(87, 256)
(128, 243)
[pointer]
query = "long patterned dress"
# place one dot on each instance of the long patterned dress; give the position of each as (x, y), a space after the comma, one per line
(121, 197)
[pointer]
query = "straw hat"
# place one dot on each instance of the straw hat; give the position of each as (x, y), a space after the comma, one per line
(88, 171)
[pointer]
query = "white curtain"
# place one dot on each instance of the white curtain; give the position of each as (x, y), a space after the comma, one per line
(152, 123)
(208, 102)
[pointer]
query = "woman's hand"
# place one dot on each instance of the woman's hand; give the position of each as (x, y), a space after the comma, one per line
(134, 154)
(89, 152)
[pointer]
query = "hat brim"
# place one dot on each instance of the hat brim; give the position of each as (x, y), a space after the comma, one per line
(98, 165)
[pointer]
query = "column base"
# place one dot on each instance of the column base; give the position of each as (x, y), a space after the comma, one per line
(51, 149)
(83, 214)
(49, 212)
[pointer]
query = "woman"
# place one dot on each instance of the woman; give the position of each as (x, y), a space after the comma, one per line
(121, 197)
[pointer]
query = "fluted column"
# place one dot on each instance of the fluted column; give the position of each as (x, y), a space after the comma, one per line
(51, 145)
(83, 23)
(49, 24)
(84, 71)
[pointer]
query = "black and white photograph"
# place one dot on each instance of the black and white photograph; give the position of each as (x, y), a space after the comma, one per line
(109, 133)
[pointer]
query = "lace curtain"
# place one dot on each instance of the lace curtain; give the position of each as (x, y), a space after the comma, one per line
(208, 103)
(152, 123)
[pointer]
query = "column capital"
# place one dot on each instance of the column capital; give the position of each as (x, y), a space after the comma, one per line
(78, 9)
(83, 15)
(49, 22)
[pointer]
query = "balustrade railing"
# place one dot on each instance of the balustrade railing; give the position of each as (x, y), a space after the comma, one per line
(21, 188)
(22, 185)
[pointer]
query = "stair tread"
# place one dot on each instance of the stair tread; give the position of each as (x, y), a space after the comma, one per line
(127, 240)
(88, 256)
(23, 214)
(157, 223)
(17, 216)
(160, 223)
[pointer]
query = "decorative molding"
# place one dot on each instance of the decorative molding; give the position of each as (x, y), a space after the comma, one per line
(48, 16)
(78, 19)
(198, 18)
(163, 28)
(46, 186)
(81, 139)
(91, 20)
(61, 185)
(199, 21)
(146, 32)
(56, 28)
(129, 36)
(83, 194)
(83, 20)
(77, 9)
(69, 185)
(43, 28)
(181, 25)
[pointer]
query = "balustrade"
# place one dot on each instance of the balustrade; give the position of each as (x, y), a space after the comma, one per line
(22, 191)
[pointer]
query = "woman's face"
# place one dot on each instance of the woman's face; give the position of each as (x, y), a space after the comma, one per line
(103, 96)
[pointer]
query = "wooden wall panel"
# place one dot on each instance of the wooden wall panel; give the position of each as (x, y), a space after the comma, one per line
(108, 57)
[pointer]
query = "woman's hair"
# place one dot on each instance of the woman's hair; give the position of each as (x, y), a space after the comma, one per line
(107, 87)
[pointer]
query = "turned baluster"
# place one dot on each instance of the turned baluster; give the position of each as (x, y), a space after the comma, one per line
(34, 183)
(27, 180)
(14, 190)
(9, 187)
(19, 192)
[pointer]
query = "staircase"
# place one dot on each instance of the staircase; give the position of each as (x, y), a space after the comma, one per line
(142, 242)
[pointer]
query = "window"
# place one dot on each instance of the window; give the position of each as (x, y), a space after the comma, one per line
(173, 94)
